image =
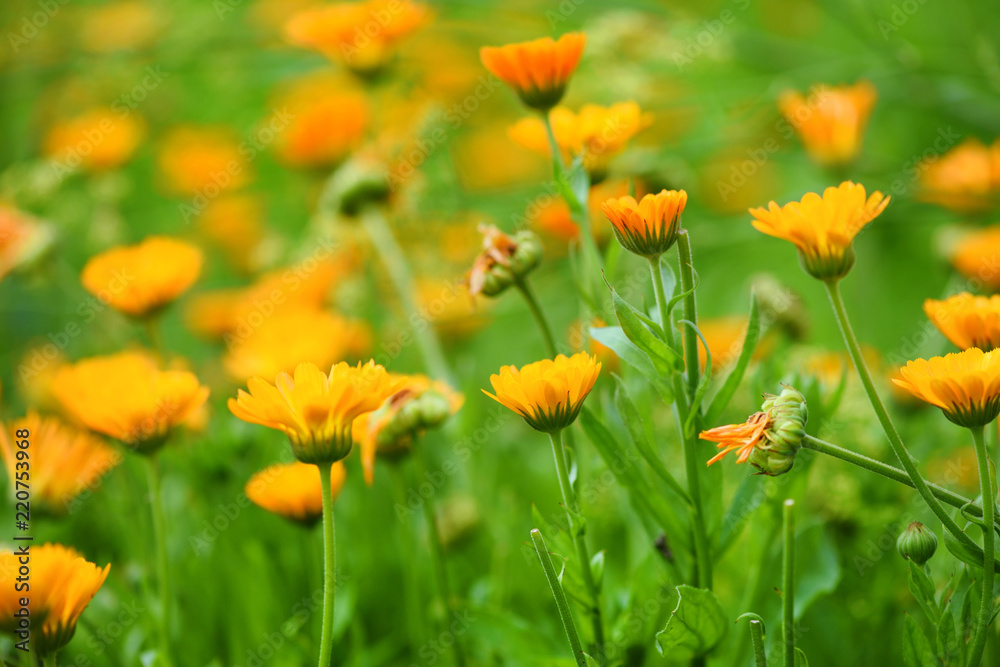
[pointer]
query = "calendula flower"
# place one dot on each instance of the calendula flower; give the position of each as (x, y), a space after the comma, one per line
(62, 585)
(139, 280)
(769, 439)
(503, 261)
(831, 120)
(823, 228)
(64, 461)
(420, 404)
(202, 162)
(96, 141)
(328, 121)
(235, 225)
(965, 385)
(647, 227)
(293, 491)
(316, 410)
(596, 133)
(125, 396)
(965, 179)
(360, 35)
(548, 394)
(291, 335)
(23, 238)
(967, 320)
(537, 71)
(975, 256)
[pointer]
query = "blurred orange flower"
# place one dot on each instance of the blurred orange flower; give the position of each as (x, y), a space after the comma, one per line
(965, 179)
(975, 256)
(97, 140)
(551, 216)
(65, 462)
(293, 491)
(22, 238)
(203, 161)
(327, 123)
(235, 224)
(139, 280)
(539, 70)
(831, 120)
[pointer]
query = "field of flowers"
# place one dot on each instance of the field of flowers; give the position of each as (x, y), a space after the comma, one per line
(420, 332)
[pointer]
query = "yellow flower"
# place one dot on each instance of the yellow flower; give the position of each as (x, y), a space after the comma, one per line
(648, 227)
(293, 491)
(976, 254)
(832, 120)
(95, 141)
(329, 120)
(360, 35)
(313, 409)
(202, 162)
(547, 394)
(62, 585)
(965, 385)
(964, 179)
(138, 280)
(537, 71)
(125, 396)
(596, 133)
(290, 336)
(420, 404)
(823, 228)
(64, 462)
(967, 320)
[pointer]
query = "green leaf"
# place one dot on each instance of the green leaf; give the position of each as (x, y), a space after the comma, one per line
(749, 496)
(917, 651)
(923, 590)
(729, 387)
(669, 285)
(800, 658)
(615, 339)
(970, 554)
(695, 627)
(574, 185)
(820, 567)
(949, 650)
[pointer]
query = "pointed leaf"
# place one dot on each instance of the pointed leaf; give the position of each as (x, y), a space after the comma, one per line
(695, 626)
(923, 590)
(917, 650)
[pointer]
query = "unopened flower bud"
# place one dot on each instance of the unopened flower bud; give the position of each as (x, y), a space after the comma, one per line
(504, 260)
(787, 415)
(359, 181)
(917, 543)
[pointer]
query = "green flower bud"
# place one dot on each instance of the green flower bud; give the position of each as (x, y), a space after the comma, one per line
(788, 414)
(917, 543)
(358, 182)
(428, 410)
(528, 254)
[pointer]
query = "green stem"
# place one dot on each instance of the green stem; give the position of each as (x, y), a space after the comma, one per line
(329, 567)
(436, 549)
(686, 265)
(162, 563)
(49, 660)
(557, 592)
(550, 134)
(757, 639)
(788, 582)
(398, 269)
(578, 533)
(989, 539)
(411, 577)
(898, 448)
(536, 311)
(656, 273)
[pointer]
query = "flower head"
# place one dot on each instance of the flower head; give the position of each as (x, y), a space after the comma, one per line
(965, 385)
(537, 71)
(503, 261)
(917, 543)
(328, 122)
(125, 396)
(65, 461)
(293, 491)
(967, 320)
(62, 585)
(830, 121)
(23, 238)
(647, 227)
(548, 394)
(199, 161)
(313, 409)
(975, 256)
(965, 179)
(96, 141)
(823, 228)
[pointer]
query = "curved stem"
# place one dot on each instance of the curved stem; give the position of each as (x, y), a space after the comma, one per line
(560, 596)
(578, 533)
(757, 638)
(536, 311)
(329, 567)
(989, 542)
(788, 582)
(898, 448)
(162, 563)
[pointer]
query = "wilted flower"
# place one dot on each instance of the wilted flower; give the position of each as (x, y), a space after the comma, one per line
(202, 162)
(967, 320)
(293, 491)
(965, 179)
(64, 461)
(823, 228)
(965, 385)
(832, 120)
(537, 71)
(62, 585)
(504, 261)
(125, 396)
(141, 279)
(548, 394)
(917, 543)
(316, 410)
(647, 227)
(975, 256)
(97, 140)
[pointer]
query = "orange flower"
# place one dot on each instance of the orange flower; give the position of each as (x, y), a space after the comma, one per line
(965, 385)
(537, 71)
(202, 162)
(548, 394)
(967, 320)
(976, 254)
(293, 491)
(235, 224)
(360, 35)
(964, 179)
(743, 438)
(125, 396)
(22, 239)
(62, 585)
(98, 140)
(316, 410)
(65, 462)
(832, 120)
(327, 123)
(823, 228)
(648, 227)
(552, 217)
(141, 279)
